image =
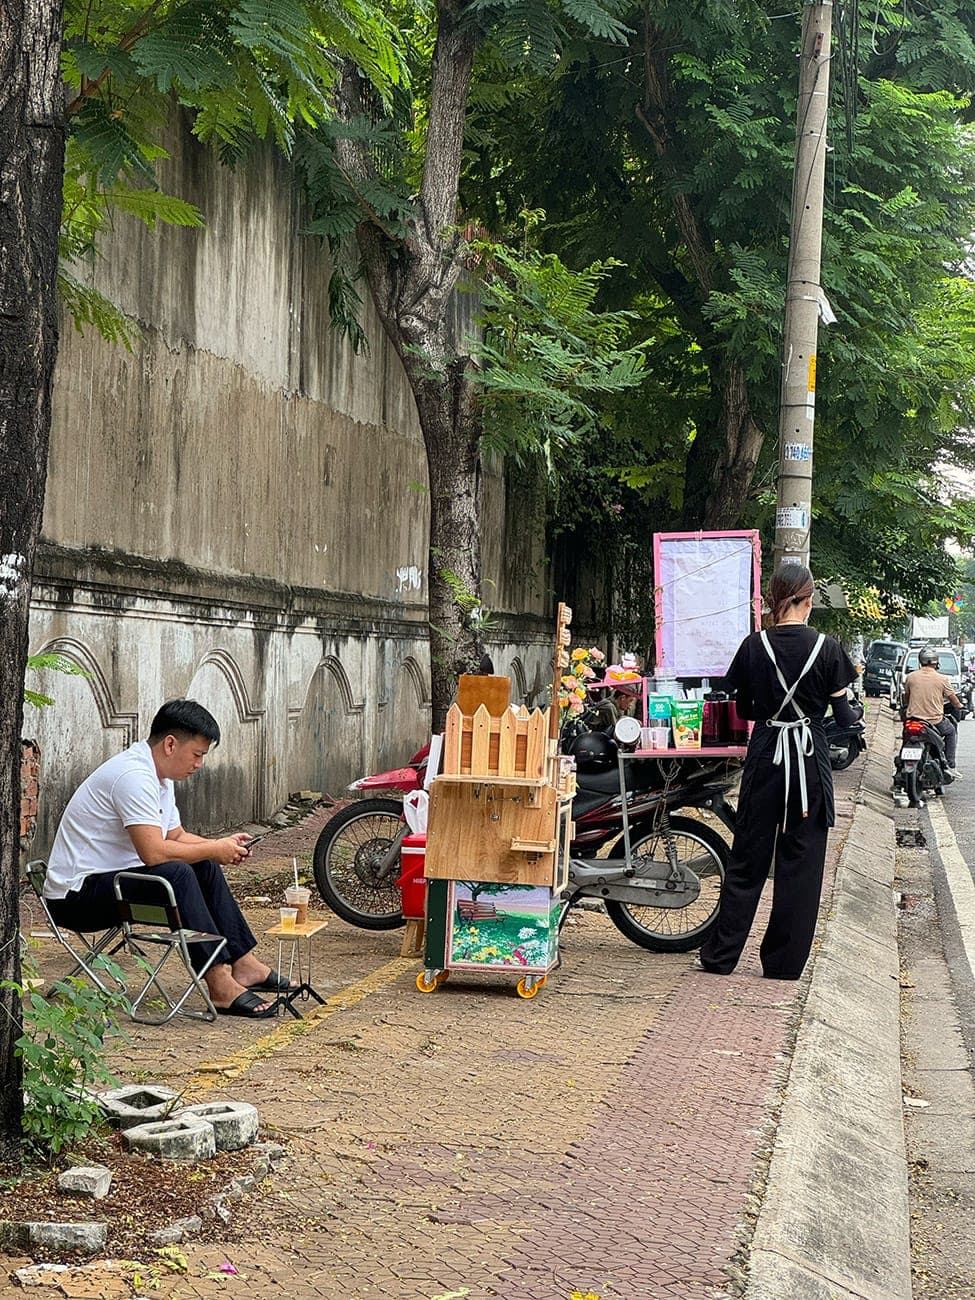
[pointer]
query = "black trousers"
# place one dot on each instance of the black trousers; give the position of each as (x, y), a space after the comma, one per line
(798, 854)
(202, 895)
(948, 729)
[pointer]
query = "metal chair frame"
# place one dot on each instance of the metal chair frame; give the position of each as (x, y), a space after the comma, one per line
(110, 942)
(168, 932)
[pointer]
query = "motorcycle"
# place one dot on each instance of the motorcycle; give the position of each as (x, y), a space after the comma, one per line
(663, 897)
(845, 743)
(966, 692)
(920, 767)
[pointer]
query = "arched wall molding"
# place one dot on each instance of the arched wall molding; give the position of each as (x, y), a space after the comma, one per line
(228, 667)
(112, 719)
(418, 677)
(225, 663)
(517, 674)
(334, 667)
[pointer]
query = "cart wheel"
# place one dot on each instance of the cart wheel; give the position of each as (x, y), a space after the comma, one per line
(542, 981)
(426, 985)
(442, 976)
(524, 989)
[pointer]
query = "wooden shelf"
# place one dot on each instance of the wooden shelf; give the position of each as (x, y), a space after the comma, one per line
(463, 778)
(707, 751)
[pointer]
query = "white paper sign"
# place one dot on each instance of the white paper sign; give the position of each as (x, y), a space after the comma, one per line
(705, 589)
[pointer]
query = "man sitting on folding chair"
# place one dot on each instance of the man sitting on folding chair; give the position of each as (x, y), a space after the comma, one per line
(124, 818)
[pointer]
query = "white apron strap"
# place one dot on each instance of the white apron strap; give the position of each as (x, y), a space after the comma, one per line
(798, 729)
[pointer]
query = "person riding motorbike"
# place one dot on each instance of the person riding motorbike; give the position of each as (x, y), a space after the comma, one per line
(622, 700)
(925, 692)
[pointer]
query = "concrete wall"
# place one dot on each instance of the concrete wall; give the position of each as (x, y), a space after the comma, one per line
(237, 511)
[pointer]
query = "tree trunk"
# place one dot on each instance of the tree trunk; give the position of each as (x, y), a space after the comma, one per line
(451, 433)
(411, 279)
(740, 448)
(31, 178)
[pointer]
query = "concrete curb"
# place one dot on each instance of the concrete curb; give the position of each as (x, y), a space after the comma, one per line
(834, 1223)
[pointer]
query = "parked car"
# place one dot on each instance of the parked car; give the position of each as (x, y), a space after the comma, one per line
(882, 659)
(948, 664)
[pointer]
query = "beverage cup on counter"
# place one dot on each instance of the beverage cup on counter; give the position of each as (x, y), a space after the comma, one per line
(297, 896)
(659, 737)
(646, 738)
(289, 917)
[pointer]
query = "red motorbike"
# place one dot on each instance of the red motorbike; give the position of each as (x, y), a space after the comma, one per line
(663, 894)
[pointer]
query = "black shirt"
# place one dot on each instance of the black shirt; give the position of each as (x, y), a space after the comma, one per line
(752, 676)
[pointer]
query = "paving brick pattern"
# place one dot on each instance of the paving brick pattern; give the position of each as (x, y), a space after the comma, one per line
(599, 1139)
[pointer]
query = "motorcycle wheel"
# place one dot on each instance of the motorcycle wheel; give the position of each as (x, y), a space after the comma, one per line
(347, 858)
(911, 788)
(670, 929)
(843, 760)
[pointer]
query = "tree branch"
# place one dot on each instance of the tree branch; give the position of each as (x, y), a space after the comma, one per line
(135, 33)
(453, 62)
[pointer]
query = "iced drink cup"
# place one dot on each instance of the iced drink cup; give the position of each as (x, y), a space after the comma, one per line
(289, 918)
(297, 897)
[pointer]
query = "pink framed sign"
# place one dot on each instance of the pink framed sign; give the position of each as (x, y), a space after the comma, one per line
(707, 597)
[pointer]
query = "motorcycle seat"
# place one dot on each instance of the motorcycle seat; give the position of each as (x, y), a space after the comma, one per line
(608, 781)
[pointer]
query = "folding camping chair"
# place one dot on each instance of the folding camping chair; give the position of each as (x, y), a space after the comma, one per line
(150, 918)
(91, 946)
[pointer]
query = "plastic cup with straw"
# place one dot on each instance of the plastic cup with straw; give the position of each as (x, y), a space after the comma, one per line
(297, 897)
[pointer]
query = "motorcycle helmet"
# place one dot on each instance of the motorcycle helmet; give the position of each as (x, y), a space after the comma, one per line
(593, 752)
(928, 657)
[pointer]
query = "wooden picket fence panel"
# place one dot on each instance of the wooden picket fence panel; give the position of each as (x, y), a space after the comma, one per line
(513, 745)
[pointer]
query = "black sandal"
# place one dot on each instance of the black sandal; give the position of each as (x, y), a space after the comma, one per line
(247, 1004)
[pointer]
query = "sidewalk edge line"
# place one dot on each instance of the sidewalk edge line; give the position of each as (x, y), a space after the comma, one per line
(215, 1074)
(961, 887)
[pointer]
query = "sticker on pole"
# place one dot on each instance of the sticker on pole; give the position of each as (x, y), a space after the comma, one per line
(799, 451)
(811, 385)
(792, 517)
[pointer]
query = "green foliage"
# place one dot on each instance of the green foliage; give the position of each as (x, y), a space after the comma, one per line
(244, 71)
(546, 354)
(56, 663)
(678, 162)
(63, 1053)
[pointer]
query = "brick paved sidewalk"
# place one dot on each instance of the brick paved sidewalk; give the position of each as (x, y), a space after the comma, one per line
(602, 1139)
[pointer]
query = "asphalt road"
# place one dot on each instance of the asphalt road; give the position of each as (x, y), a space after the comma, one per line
(936, 934)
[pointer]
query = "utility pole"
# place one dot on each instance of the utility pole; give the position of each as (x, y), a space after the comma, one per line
(804, 298)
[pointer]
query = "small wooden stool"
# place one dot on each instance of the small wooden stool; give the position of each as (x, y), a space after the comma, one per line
(414, 937)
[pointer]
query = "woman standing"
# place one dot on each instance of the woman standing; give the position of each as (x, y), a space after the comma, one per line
(785, 678)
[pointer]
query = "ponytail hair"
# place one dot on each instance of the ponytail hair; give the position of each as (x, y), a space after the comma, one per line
(791, 584)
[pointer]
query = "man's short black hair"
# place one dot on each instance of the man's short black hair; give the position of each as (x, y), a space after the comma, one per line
(185, 719)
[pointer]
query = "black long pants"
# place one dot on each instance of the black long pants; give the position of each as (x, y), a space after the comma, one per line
(799, 854)
(948, 729)
(202, 896)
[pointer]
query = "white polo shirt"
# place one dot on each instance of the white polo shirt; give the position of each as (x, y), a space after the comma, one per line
(92, 836)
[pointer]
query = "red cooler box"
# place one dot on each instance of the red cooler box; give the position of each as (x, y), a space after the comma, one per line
(411, 883)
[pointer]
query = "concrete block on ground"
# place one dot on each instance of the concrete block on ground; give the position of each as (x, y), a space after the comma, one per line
(179, 1230)
(272, 1151)
(86, 1180)
(189, 1138)
(79, 1238)
(40, 1274)
(137, 1103)
(235, 1123)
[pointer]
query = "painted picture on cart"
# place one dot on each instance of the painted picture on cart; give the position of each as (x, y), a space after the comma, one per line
(515, 926)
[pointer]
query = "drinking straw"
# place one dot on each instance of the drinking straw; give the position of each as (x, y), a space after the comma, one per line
(294, 863)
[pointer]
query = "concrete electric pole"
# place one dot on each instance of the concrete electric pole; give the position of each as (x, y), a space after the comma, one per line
(804, 300)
